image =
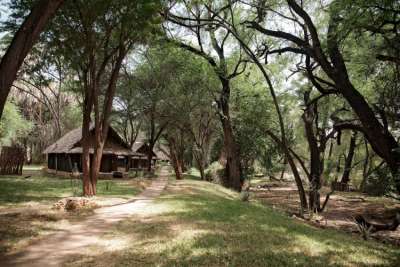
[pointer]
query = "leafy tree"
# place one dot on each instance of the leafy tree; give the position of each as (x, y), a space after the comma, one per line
(169, 95)
(330, 59)
(213, 44)
(13, 126)
(94, 37)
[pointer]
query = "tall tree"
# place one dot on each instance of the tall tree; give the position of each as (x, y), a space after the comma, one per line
(171, 91)
(235, 27)
(214, 41)
(95, 37)
(317, 133)
(330, 59)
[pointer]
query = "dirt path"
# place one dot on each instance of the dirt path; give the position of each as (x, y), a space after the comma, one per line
(55, 249)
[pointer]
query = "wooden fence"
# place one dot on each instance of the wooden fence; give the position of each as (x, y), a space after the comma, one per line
(11, 160)
(338, 186)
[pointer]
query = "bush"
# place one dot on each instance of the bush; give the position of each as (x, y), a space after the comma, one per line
(193, 171)
(379, 183)
(215, 172)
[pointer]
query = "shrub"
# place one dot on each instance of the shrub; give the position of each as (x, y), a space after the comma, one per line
(215, 172)
(193, 171)
(379, 183)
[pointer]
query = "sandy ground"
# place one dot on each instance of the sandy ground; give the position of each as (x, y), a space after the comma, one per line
(340, 211)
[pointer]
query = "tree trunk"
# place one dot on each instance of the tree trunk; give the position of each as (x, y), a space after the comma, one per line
(315, 158)
(149, 158)
(283, 140)
(176, 162)
(199, 157)
(88, 187)
(97, 156)
(317, 144)
(379, 137)
(22, 43)
(365, 167)
(296, 175)
(233, 177)
(202, 174)
(86, 161)
(283, 169)
(297, 178)
(349, 159)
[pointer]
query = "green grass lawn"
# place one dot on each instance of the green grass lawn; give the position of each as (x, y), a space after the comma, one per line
(201, 224)
(26, 205)
(45, 189)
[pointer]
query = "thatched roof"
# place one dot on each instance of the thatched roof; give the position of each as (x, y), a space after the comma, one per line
(137, 145)
(71, 144)
(141, 147)
(162, 152)
(65, 143)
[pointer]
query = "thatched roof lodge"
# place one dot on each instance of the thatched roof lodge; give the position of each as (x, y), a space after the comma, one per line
(139, 160)
(66, 153)
(142, 149)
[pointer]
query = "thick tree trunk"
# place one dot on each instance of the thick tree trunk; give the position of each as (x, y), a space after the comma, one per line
(233, 176)
(22, 43)
(379, 137)
(97, 156)
(349, 159)
(88, 187)
(315, 159)
(178, 169)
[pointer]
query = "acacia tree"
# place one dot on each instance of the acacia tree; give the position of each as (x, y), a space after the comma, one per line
(307, 46)
(329, 59)
(170, 92)
(177, 144)
(318, 132)
(191, 111)
(147, 90)
(95, 37)
(213, 40)
(234, 27)
(24, 39)
(202, 130)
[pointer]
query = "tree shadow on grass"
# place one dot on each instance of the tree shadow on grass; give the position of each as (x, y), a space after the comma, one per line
(210, 228)
(18, 226)
(17, 190)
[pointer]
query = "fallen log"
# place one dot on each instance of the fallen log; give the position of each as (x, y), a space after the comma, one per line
(376, 227)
